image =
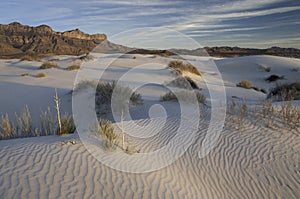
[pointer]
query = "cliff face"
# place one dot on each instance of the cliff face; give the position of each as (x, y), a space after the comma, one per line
(17, 40)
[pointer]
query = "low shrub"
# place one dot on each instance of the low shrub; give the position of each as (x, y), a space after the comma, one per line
(7, 128)
(73, 67)
(105, 91)
(183, 82)
(186, 95)
(47, 65)
(105, 131)
(39, 75)
(245, 84)
(30, 58)
(67, 125)
(274, 78)
(183, 67)
(288, 91)
(24, 74)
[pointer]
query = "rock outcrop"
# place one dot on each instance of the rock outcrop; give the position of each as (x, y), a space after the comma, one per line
(17, 40)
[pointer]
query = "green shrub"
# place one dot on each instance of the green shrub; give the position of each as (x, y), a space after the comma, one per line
(245, 84)
(181, 67)
(47, 65)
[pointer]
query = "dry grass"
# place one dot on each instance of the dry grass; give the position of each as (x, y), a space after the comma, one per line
(285, 92)
(7, 128)
(47, 65)
(67, 125)
(181, 67)
(24, 74)
(47, 122)
(30, 58)
(185, 95)
(73, 67)
(40, 75)
(25, 123)
(183, 82)
(105, 131)
(245, 84)
(105, 91)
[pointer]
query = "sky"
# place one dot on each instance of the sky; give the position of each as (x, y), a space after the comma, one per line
(243, 23)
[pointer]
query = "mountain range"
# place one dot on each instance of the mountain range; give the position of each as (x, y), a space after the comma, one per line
(17, 40)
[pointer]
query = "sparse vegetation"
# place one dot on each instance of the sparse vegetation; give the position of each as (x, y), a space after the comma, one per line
(47, 122)
(184, 82)
(284, 92)
(30, 58)
(245, 84)
(25, 123)
(181, 67)
(48, 64)
(85, 84)
(296, 69)
(274, 78)
(54, 59)
(266, 68)
(185, 95)
(24, 74)
(67, 125)
(86, 57)
(7, 128)
(105, 91)
(40, 75)
(105, 131)
(73, 67)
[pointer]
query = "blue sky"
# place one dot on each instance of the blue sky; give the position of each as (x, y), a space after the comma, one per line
(244, 23)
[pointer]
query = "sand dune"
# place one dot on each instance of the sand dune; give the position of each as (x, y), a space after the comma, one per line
(251, 162)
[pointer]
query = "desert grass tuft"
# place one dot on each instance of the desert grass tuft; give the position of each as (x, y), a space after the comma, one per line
(40, 75)
(184, 67)
(245, 84)
(47, 65)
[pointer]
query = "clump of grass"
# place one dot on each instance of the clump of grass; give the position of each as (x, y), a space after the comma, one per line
(67, 125)
(186, 95)
(73, 67)
(105, 91)
(296, 69)
(40, 75)
(47, 122)
(245, 84)
(183, 82)
(85, 84)
(181, 67)
(25, 123)
(30, 58)
(54, 59)
(24, 74)
(86, 57)
(47, 65)
(7, 128)
(288, 91)
(274, 78)
(104, 129)
(266, 68)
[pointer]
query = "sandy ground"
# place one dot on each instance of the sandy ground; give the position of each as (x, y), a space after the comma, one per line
(252, 162)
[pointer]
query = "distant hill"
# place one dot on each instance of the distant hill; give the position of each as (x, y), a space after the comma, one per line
(17, 40)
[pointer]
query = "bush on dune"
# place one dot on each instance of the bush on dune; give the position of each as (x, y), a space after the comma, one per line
(181, 67)
(47, 65)
(288, 91)
(186, 95)
(245, 84)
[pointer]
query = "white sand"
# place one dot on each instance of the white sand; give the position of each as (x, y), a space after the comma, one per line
(256, 162)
